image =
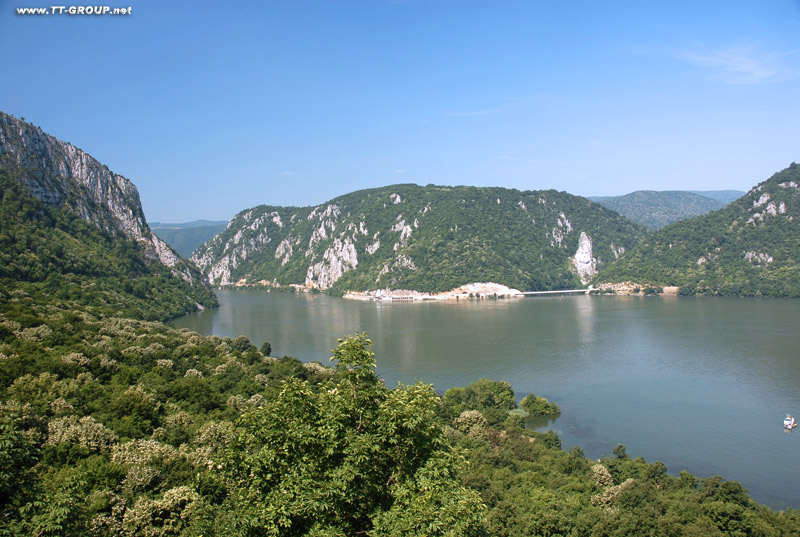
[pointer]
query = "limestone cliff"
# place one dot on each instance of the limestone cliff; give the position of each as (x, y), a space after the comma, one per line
(429, 239)
(64, 176)
(748, 248)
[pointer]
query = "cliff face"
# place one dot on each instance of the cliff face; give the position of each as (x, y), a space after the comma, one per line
(430, 239)
(748, 248)
(63, 176)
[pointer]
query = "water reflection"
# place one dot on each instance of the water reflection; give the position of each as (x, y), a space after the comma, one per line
(702, 384)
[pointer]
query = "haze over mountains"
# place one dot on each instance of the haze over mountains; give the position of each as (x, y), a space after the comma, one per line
(186, 237)
(654, 209)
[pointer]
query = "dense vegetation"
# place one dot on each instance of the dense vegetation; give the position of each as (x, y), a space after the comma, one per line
(654, 210)
(57, 258)
(749, 248)
(425, 238)
(185, 238)
(111, 426)
(114, 424)
(723, 196)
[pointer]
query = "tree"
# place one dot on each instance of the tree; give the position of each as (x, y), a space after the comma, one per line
(491, 398)
(350, 458)
(536, 405)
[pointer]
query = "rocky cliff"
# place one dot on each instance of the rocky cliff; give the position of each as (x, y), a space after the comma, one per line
(750, 247)
(63, 176)
(429, 239)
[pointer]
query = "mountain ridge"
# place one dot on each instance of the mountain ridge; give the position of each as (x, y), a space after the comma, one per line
(747, 248)
(61, 175)
(72, 230)
(656, 209)
(430, 239)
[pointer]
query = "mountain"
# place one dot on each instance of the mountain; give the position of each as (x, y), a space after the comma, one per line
(185, 238)
(654, 210)
(751, 247)
(67, 219)
(188, 225)
(430, 239)
(112, 425)
(723, 196)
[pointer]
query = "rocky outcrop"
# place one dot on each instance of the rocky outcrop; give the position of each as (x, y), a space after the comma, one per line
(585, 264)
(748, 248)
(61, 175)
(336, 260)
(432, 239)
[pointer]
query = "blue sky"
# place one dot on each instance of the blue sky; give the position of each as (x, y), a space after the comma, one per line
(214, 107)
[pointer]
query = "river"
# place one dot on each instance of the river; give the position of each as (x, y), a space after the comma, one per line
(702, 384)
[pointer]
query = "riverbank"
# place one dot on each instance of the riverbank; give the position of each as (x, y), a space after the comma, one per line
(646, 373)
(471, 290)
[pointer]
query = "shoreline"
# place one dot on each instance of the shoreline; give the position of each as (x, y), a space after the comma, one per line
(469, 291)
(475, 290)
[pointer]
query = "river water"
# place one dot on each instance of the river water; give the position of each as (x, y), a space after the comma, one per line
(702, 384)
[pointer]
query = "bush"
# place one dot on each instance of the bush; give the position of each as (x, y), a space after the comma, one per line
(536, 405)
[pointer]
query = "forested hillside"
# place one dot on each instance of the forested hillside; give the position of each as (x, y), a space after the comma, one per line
(114, 424)
(73, 231)
(429, 239)
(186, 238)
(749, 248)
(654, 210)
(55, 257)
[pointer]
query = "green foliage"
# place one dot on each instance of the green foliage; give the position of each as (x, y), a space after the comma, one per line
(536, 405)
(128, 427)
(51, 256)
(433, 504)
(351, 459)
(655, 210)
(18, 455)
(493, 399)
(749, 248)
(425, 238)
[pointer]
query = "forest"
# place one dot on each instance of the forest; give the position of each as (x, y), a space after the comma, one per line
(430, 239)
(117, 426)
(749, 248)
(113, 423)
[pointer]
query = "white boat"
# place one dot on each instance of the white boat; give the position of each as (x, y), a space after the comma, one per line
(789, 423)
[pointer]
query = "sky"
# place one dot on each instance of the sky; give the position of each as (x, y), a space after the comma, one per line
(213, 107)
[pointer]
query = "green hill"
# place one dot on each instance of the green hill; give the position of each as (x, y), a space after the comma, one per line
(111, 425)
(751, 247)
(723, 196)
(429, 239)
(186, 238)
(654, 210)
(73, 233)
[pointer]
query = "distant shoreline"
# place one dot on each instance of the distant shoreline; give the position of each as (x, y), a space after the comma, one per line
(475, 290)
